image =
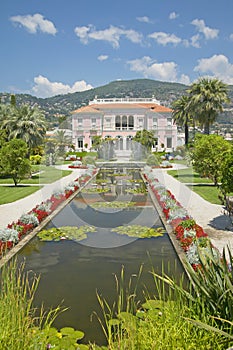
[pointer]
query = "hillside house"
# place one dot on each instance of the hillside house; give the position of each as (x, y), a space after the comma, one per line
(120, 119)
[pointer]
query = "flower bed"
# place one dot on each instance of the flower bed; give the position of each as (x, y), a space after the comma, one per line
(78, 166)
(12, 234)
(190, 235)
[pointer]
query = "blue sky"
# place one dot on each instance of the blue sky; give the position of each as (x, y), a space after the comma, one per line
(51, 47)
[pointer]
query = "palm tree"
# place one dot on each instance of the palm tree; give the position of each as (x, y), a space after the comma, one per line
(181, 114)
(207, 97)
(27, 124)
(62, 140)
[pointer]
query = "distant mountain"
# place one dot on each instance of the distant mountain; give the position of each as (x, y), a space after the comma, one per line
(59, 105)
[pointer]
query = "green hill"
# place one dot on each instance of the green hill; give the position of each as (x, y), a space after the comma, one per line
(165, 92)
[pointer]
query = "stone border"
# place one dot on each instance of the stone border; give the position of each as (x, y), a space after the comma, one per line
(179, 251)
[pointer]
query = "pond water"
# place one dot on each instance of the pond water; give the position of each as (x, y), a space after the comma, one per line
(72, 272)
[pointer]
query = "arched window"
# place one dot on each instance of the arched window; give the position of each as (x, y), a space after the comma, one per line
(124, 122)
(118, 122)
(129, 142)
(119, 143)
(131, 122)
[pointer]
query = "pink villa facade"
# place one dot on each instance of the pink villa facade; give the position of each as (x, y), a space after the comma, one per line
(120, 119)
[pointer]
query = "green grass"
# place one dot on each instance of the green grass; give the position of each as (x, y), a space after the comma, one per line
(208, 192)
(9, 194)
(47, 175)
(188, 176)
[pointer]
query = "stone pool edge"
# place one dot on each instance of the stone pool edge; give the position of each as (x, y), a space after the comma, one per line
(179, 251)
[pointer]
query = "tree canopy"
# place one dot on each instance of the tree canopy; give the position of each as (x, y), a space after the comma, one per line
(145, 138)
(24, 123)
(208, 155)
(13, 161)
(206, 99)
(182, 114)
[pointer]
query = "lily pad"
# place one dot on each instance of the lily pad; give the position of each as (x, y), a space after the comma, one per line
(69, 331)
(66, 232)
(139, 231)
(114, 204)
(96, 190)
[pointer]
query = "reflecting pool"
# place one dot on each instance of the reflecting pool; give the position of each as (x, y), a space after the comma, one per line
(72, 272)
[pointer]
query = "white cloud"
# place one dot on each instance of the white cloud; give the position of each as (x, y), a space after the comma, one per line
(34, 23)
(165, 38)
(144, 19)
(165, 71)
(45, 88)
(102, 57)
(217, 66)
(231, 37)
(82, 33)
(195, 41)
(112, 35)
(208, 32)
(173, 15)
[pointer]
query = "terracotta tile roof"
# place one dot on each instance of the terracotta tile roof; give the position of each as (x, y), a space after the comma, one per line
(97, 108)
(155, 107)
(86, 109)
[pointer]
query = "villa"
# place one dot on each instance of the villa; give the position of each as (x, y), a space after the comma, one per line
(120, 119)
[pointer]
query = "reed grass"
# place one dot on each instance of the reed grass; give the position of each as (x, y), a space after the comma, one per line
(21, 325)
(172, 318)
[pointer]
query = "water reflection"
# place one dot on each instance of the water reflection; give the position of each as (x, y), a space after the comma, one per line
(73, 272)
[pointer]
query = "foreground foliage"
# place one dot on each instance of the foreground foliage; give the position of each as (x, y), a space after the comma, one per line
(24, 327)
(197, 316)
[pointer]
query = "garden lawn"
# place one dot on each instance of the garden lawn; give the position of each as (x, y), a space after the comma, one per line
(45, 175)
(188, 176)
(208, 192)
(9, 194)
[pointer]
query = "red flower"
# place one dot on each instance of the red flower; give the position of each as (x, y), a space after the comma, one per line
(41, 214)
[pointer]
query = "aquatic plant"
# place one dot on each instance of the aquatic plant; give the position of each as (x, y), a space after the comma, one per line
(136, 190)
(114, 205)
(139, 231)
(96, 190)
(65, 232)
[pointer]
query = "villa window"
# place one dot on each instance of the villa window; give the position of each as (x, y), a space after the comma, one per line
(93, 122)
(169, 121)
(155, 123)
(124, 122)
(140, 123)
(80, 122)
(131, 122)
(107, 123)
(169, 142)
(129, 142)
(118, 122)
(80, 142)
(119, 143)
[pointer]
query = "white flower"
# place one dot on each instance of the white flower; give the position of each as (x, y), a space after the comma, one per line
(29, 219)
(9, 234)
